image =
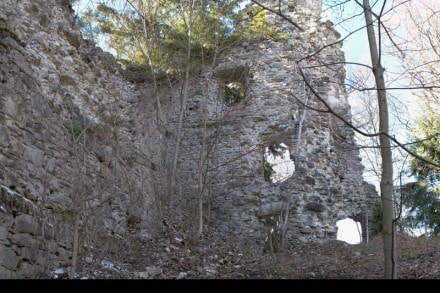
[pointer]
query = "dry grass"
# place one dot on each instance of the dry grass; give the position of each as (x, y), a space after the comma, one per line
(215, 257)
(417, 258)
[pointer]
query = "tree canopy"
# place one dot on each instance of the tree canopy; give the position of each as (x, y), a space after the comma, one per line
(153, 32)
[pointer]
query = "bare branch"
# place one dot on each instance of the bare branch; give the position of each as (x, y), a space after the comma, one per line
(331, 44)
(397, 88)
(337, 63)
(348, 123)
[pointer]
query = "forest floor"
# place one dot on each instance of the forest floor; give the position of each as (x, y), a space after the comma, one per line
(217, 258)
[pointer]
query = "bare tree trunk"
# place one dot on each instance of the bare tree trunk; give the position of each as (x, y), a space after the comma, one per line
(202, 174)
(75, 246)
(386, 182)
(160, 118)
(204, 154)
(367, 228)
(184, 96)
(284, 223)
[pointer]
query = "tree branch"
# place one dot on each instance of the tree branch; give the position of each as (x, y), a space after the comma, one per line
(279, 14)
(331, 44)
(349, 124)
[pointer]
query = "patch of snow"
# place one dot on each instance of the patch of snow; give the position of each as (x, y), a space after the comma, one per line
(89, 259)
(182, 275)
(56, 273)
(13, 193)
(153, 271)
(2, 208)
(110, 266)
(210, 271)
(143, 275)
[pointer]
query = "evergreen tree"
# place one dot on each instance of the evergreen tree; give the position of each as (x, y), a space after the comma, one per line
(422, 197)
(153, 32)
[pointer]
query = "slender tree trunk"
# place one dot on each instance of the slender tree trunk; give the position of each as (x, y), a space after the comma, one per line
(367, 229)
(284, 222)
(386, 182)
(75, 246)
(184, 97)
(202, 173)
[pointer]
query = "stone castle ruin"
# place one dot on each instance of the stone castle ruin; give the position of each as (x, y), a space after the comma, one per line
(86, 147)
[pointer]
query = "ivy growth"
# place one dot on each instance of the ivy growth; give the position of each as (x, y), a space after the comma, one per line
(268, 171)
(377, 219)
(260, 27)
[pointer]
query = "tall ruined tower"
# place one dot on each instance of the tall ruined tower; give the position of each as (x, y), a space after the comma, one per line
(322, 182)
(80, 145)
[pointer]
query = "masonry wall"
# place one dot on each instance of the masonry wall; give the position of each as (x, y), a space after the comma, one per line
(327, 184)
(68, 146)
(80, 141)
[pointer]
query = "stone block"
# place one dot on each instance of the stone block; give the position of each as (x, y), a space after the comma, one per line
(306, 230)
(8, 258)
(28, 254)
(315, 207)
(3, 234)
(26, 224)
(5, 273)
(271, 209)
(6, 219)
(30, 271)
(36, 156)
(42, 260)
(23, 240)
(4, 137)
(60, 198)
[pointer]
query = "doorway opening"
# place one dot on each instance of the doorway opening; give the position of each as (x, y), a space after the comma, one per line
(349, 231)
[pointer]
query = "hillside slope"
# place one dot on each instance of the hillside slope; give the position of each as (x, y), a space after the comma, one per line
(213, 258)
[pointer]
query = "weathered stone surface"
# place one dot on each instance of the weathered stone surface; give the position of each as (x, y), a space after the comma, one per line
(26, 224)
(72, 122)
(42, 260)
(33, 155)
(6, 219)
(3, 234)
(271, 209)
(61, 199)
(29, 270)
(8, 258)
(306, 230)
(5, 273)
(315, 207)
(23, 240)
(28, 253)
(310, 180)
(4, 136)
(153, 271)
